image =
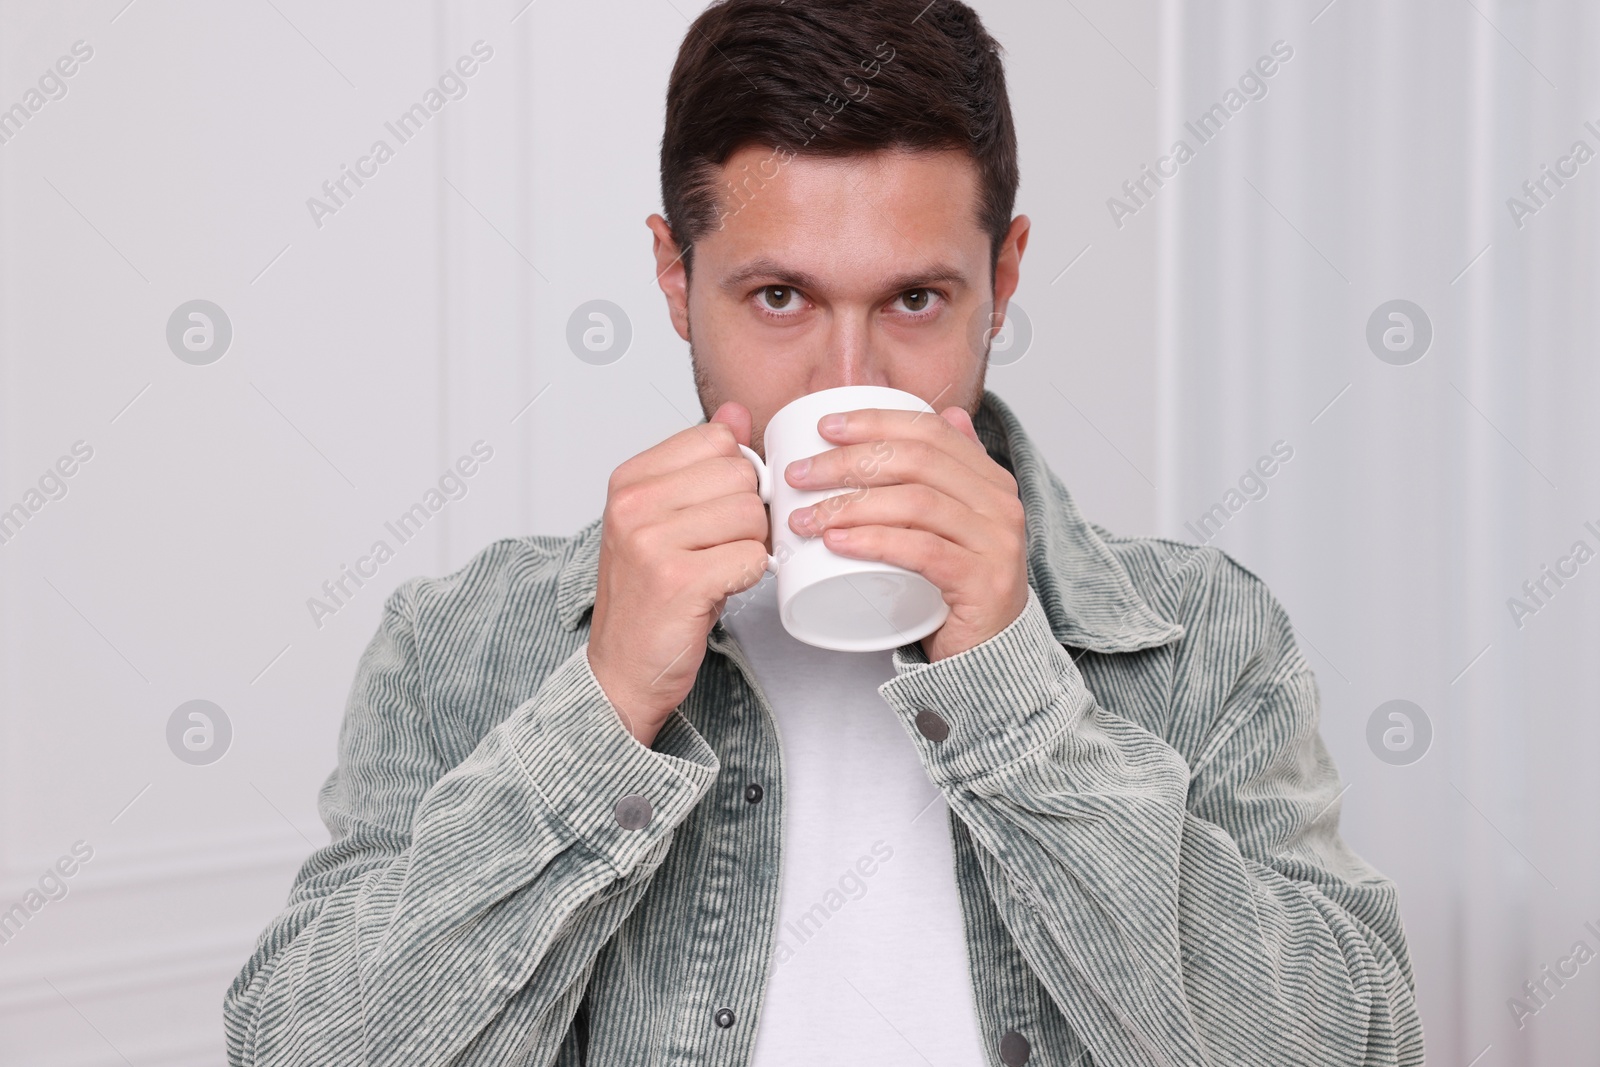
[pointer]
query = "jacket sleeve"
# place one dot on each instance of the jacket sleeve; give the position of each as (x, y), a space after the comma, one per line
(457, 911)
(1177, 915)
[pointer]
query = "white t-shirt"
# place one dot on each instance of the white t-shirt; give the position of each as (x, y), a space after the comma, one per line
(870, 962)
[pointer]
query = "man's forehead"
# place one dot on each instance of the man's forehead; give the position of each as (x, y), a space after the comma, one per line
(891, 214)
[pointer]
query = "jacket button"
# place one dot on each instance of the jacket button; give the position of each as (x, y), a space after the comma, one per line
(752, 792)
(724, 1017)
(931, 726)
(1014, 1049)
(632, 811)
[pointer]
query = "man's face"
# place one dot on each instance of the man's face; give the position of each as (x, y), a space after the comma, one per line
(868, 270)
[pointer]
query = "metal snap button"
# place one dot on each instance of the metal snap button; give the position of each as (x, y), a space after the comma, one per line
(753, 792)
(1014, 1049)
(724, 1017)
(931, 726)
(632, 811)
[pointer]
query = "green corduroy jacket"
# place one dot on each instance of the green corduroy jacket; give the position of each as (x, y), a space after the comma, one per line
(1143, 815)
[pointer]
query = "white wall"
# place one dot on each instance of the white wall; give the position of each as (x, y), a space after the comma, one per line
(1379, 167)
(367, 354)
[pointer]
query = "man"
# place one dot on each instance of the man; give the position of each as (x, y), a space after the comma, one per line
(593, 805)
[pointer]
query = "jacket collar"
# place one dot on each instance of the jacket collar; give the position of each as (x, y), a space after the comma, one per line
(1085, 591)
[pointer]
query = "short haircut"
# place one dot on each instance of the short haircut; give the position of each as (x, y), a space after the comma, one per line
(833, 78)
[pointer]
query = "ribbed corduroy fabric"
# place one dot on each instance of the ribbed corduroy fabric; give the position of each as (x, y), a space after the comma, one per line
(1143, 816)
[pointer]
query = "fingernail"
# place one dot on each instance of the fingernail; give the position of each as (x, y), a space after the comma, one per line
(832, 423)
(799, 468)
(804, 517)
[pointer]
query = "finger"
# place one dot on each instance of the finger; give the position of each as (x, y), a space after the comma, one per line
(733, 567)
(890, 462)
(947, 565)
(735, 517)
(736, 417)
(868, 424)
(912, 506)
(703, 480)
(705, 579)
(957, 416)
(689, 445)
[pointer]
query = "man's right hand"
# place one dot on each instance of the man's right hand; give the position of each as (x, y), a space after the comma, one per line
(683, 530)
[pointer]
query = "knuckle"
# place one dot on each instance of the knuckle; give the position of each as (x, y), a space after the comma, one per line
(740, 579)
(721, 437)
(752, 511)
(645, 542)
(744, 567)
(738, 477)
(874, 456)
(618, 480)
(867, 462)
(627, 503)
(924, 497)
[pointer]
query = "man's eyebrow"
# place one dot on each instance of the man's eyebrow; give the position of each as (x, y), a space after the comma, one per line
(799, 279)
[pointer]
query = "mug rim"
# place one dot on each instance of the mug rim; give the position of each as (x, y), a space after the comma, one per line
(787, 411)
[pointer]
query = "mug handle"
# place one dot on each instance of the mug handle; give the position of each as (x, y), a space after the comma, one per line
(763, 489)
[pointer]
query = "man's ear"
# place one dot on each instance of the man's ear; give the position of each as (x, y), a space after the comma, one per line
(1008, 267)
(671, 274)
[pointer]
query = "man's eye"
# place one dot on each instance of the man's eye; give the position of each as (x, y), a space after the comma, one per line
(778, 297)
(916, 300)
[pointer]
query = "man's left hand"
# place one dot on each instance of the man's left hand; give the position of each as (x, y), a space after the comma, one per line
(928, 498)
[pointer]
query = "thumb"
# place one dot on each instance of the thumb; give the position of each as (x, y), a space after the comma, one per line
(957, 416)
(737, 418)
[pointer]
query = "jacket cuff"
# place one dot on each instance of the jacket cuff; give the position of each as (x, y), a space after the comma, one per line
(999, 699)
(582, 760)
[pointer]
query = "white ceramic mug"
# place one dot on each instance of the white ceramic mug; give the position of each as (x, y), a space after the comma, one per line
(825, 599)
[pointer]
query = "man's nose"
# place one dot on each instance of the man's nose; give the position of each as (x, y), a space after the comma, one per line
(851, 354)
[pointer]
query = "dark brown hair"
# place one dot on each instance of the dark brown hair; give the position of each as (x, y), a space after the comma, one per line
(832, 78)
